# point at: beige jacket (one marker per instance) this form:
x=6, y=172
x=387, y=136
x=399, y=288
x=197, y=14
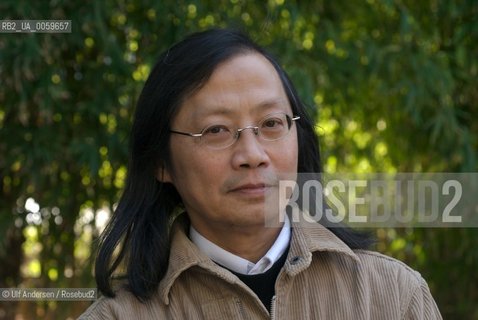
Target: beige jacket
x=322, y=279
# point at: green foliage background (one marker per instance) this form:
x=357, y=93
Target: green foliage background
x=392, y=84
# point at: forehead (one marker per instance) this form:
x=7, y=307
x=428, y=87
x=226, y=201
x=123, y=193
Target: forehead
x=244, y=83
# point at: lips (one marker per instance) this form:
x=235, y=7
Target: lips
x=251, y=189
x=250, y=186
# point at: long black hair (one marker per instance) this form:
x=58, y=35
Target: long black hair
x=137, y=237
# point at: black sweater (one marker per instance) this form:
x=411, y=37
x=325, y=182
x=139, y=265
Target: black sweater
x=263, y=284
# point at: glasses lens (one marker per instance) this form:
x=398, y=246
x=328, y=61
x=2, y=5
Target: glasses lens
x=274, y=126
x=217, y=136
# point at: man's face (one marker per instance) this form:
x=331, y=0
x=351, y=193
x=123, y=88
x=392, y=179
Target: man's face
x=225, y=190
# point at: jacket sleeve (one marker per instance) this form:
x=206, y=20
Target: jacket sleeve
x=422, y=305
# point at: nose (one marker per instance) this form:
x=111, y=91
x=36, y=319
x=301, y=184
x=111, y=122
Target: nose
x=248, y=151
x=254, y=129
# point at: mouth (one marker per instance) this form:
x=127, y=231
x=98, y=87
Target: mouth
x=251, y=189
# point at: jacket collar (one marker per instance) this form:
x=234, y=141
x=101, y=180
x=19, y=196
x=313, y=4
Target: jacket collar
x=307, y=238
x=185, y=255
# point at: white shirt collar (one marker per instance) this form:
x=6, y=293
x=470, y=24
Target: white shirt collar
x=238, y=264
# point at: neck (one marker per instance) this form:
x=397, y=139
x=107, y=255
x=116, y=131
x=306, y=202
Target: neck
x=251, y=244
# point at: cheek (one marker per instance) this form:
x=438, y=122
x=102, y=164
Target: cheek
x=293, y=159
x=199, y=184
x=192, y=169
x=290, y=153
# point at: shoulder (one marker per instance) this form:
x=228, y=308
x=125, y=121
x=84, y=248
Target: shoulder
x=384, y=272
x=393, y=278
x=124, y=306
x=386, y=265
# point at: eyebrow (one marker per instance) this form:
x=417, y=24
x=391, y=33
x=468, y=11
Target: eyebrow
x=224, y=110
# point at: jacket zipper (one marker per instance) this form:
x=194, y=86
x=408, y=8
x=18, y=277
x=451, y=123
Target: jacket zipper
x=273, y=308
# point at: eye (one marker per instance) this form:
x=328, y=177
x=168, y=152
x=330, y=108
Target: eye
x=216, y=130
x=272, y=123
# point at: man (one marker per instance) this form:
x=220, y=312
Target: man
x=217, y=126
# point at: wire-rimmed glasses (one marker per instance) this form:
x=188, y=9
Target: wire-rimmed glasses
x=273, y=127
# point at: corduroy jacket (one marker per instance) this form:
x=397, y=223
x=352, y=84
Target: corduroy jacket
x=322, y=278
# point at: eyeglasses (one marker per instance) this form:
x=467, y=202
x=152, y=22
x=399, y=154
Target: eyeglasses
x=271, y=128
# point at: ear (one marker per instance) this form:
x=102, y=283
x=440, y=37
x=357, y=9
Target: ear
x=163, y=175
